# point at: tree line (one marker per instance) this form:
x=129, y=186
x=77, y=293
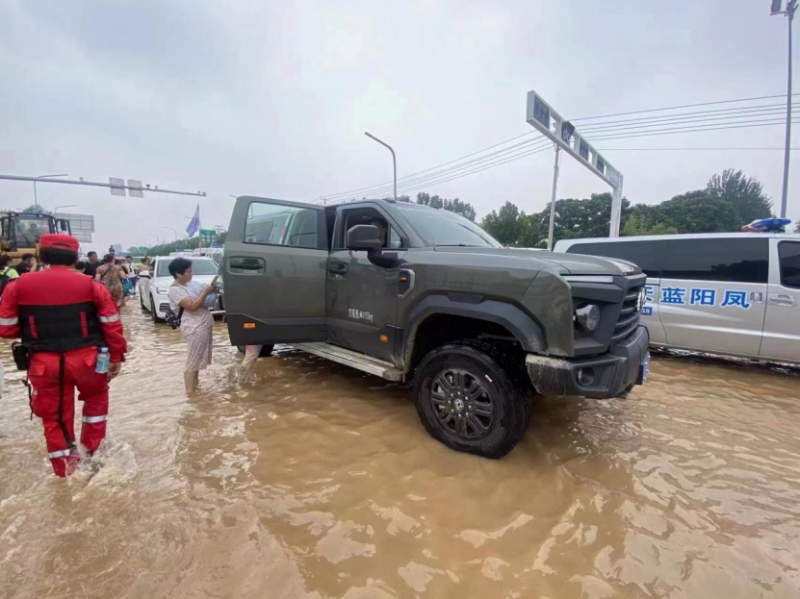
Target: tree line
x=729, y=201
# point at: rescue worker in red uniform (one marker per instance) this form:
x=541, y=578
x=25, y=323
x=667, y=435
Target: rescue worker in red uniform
x=64, y=319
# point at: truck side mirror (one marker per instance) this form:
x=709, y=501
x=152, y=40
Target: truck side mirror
x=363, y=237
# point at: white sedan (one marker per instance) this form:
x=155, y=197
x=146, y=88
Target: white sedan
x=153, y=289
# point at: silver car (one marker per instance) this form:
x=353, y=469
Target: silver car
x=735, y=294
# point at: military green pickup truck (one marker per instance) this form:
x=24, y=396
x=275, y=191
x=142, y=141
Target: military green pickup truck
x=410, y=293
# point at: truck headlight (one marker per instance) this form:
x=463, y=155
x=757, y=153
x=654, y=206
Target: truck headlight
x=588, y=316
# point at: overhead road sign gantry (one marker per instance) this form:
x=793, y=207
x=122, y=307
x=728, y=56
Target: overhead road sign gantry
x=552, y=125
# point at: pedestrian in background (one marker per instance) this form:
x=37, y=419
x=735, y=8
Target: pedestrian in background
x=7, y=273
x=196, y=320
x=110, y=275
x=91, y=265
x=80, y=266
x=133, y=274
x=26, y=264
x=63, y=321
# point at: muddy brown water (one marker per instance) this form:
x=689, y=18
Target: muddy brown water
x=316, y=480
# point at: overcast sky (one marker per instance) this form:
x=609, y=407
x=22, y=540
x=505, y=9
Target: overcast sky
x=272, y=98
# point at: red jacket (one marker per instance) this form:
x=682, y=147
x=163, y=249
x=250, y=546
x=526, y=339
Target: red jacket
x=84, y=302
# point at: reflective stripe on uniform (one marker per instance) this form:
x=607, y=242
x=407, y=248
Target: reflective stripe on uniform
x=9, y=321
x=59, y=454
x=113, y=318
x=94, y=419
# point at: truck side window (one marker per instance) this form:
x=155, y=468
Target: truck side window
x=790, y=264
x=274, y=224
x=369, y=216
x=721, y=259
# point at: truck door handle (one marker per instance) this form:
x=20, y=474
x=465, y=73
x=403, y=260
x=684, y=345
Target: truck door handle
x=239, y=264
x=338, y=268
x=781, y=299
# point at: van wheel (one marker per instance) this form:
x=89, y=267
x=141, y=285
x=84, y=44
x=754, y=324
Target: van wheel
x=470, y=396
x=141, y=303
x=266, y=350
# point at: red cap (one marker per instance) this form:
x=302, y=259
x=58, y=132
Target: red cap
x=59, y=241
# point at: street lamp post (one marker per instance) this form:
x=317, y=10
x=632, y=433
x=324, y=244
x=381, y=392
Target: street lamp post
x=67, y=206
x=791, y=6
x=394, y=160
x=35, y=196
x=158, y=240
x=174, y=232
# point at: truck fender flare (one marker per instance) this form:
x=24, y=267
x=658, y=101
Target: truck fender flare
x=523, y=326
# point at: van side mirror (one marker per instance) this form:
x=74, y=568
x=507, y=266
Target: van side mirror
x=363, y=237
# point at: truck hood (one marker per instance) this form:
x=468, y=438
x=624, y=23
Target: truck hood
x=567, y=264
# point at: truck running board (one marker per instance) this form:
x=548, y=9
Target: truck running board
x=353, y=359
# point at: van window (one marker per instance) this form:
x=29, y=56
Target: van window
x=644, y=254
x=723, y=259
x=790, y=264
x=274, y=224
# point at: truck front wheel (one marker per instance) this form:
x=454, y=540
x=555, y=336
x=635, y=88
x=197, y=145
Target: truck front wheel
x=470, y=397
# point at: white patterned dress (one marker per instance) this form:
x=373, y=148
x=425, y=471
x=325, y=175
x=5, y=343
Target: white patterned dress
x=196, y=326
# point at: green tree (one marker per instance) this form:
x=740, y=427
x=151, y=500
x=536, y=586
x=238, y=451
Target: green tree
x=744, y=194
x=532, y=230
x=699, y=212
x=503, y=224
x=455, y=205
x=584, y=218
x=644, y=220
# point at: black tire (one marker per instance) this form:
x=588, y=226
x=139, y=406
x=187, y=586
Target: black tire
x=154, y=311
x=266, y=350
x=141, y=303
x=495, y=398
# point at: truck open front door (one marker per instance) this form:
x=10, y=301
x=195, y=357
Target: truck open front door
x=274, y=272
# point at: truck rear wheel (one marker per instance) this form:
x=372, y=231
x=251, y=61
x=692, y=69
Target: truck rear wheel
x=470, y=397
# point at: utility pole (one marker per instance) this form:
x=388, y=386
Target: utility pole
x=35, y=179
x=174, y=232
x=791, y=6
x=553, y=200
x=394, y=160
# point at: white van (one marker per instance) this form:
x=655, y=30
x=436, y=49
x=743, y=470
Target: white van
x=735, y=294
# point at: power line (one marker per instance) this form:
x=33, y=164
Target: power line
x=604, y=116
x=432, y=174
x=684, y=149
x=679, y=119
x=512, y=158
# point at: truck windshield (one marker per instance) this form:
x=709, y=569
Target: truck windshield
x=441, y=227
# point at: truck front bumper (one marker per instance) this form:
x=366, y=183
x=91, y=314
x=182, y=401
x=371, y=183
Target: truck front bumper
x=604, y=376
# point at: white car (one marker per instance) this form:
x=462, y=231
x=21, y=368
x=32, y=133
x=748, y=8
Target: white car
x=153, y=290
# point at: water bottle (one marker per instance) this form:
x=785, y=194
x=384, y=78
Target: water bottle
x=103, y=360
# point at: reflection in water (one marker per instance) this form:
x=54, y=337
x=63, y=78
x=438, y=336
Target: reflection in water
x=316, y=480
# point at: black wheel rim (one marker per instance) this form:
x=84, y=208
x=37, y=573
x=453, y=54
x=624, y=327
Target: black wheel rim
x=463, y=406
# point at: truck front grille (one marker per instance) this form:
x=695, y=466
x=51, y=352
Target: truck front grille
x=629, y=315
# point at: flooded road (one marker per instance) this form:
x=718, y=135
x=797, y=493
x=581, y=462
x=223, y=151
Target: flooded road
x=316, y=480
